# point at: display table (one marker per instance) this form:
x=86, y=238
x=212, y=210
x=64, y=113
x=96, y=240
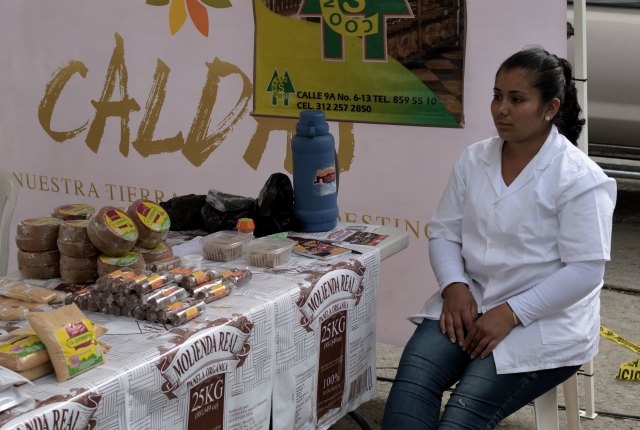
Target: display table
x=297, y=342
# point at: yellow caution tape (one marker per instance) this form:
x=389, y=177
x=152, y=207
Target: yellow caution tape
x=605, y=332
x=629, y=371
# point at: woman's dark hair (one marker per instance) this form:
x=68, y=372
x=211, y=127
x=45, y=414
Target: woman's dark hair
x=552, y=76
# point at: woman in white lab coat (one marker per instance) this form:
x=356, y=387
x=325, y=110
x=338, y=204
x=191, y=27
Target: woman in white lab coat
x=518, y=245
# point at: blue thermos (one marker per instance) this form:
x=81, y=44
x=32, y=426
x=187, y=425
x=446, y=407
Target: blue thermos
x=315, y=174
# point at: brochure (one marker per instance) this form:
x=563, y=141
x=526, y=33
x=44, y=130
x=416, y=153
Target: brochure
x=320, y=249
x=348, y=235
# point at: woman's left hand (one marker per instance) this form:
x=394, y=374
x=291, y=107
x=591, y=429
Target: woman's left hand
x=488, y=331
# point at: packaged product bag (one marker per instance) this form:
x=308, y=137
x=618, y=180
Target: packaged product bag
x=70, y=338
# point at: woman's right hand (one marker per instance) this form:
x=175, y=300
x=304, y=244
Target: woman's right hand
x=459, y=311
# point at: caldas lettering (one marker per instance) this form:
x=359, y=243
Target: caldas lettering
x=199, y=142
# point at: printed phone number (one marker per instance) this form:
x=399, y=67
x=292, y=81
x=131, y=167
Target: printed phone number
x=338, y=107
x=396, y=100
x=365, y=99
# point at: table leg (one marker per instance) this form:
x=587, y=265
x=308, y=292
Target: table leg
x=360, y=420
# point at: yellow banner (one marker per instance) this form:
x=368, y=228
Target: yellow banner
x=360, y=61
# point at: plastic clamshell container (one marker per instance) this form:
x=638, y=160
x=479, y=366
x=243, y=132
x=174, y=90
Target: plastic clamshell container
x=225, y=245
x=269, y=252
x=192, y=260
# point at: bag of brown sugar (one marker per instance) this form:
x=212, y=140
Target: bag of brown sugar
x=13, y=313
x=22, y=351
x=37, y=372
x=70, y=339
x=28, y=292
x=15, y=303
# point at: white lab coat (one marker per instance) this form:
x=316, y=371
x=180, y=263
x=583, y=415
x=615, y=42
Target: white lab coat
x=558, y=210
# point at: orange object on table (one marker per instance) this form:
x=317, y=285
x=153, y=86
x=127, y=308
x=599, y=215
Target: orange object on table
x=245, y=225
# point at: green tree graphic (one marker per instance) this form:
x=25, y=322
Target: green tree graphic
x=280, y=87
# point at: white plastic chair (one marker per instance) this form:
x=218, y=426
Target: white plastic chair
x=546, y=406
x=8, y=198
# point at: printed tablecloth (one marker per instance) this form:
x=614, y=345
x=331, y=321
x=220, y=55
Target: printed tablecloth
x=299, y=339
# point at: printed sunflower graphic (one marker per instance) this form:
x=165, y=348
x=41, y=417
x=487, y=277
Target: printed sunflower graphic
x=196, y=9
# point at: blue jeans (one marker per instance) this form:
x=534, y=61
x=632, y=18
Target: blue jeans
x=431, y=364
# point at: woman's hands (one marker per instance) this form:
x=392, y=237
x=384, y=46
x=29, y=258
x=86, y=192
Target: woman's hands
x=460, y=315
x=488, y=331
x=459, y=311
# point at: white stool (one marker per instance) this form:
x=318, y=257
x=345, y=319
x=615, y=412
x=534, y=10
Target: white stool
x=546, y=406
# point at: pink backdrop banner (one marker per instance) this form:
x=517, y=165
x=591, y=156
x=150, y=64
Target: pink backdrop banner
x=106, y=102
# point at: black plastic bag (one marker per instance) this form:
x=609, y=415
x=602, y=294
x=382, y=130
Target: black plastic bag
x=221, y=211
x=185, y=212
x=274, y=206
x=272, y=211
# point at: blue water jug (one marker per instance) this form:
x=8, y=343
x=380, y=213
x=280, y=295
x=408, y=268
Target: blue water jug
x=315, y=180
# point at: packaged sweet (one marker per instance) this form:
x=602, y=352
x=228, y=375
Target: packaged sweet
x=38, y=371
x=28, y=292
x=40, y=272
x=111, y=308
x=118, y=298
x=152, y=221
x=112, y=231
x=73, y=239
x=16, y=303
x=38, y=234
x=120, y=280
x=20, y=352
x=127, y=308
x=185, y=312
x=78, y=270
x=70, y=339
x=158, y=253
x=269, y=252
x=224, y=245
x=73, y=211
x=105, y=281
x=81, y=297
x=39, y=265
x=139, y=312
x=44, y=258
x=23, y=352
x=198, y=277
x=210, y=291
x=94, y=303
x=239, y=276
x=164, y=264
x=151, y=283
x=129, y=260
x=151, y=315
x=179, y=273
x=80, y=276
x=164, y=296
x=78, y=263
x=13, y=313
x=162, y=314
